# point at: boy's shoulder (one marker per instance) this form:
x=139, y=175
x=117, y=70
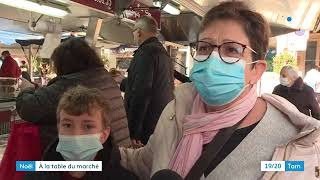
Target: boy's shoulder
x=116, y=171
x=42, y=175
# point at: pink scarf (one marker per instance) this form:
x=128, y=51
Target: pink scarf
x=200, y=128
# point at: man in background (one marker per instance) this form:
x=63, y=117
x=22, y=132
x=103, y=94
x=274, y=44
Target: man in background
x=149, y=87
x=10, y=67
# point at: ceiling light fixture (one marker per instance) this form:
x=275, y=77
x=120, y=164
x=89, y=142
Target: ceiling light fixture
x=42, y=7
x=171, y=9
x=157, y=3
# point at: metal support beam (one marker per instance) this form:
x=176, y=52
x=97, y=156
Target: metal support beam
x=303, y=18
x=193, y=6
x=30, y=62
x=93, y=31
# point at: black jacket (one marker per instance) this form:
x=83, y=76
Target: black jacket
x=302, y=96
x=39, y=106
x=149, y=88
x=111, y=168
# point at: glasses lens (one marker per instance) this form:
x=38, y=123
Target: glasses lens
x=200, y=51
x=231, y=52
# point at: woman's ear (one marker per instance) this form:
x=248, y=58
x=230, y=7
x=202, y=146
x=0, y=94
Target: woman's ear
x=257, y=71
x=140, y=33
x=104, y=135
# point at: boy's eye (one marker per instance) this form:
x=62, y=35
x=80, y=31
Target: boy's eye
x=89, y=126
x=66, y=125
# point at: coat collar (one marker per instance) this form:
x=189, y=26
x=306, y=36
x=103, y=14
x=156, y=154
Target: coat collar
x=298, y=84
x=149, y=40
x=77, y=74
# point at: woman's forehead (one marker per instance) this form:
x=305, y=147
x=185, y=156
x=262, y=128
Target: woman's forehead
x=221, y=31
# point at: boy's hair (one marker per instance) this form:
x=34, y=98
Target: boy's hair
x=79, y=100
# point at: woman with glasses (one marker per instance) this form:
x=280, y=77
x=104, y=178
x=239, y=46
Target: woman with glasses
x=217, y=126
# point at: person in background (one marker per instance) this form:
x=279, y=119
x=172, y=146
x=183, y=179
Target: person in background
x=228, y=63
x=27, y=82
x=75, y=63
x=311, y=78
x=10, y=67
x=117, y=75
x=84, y=117
x=26, y=78
x=293, y=89
x=123, y=84
x=24, y=66
x=150, y=85
x=1, y=61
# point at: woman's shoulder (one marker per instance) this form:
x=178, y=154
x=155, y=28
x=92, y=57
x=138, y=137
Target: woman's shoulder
x=96, y=72
x=184, y=95
x=277, y=123
x=45, y=175
x=277, y=89
x=94, y=78
x=280, y=109
x=172, y=116
x=308, y=89
x=185, y=91
x=55, y=83
x=120, y=173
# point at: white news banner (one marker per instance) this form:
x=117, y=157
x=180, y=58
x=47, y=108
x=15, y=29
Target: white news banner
x=59, y=166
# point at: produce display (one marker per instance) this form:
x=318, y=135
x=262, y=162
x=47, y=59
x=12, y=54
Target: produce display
x=8, y=87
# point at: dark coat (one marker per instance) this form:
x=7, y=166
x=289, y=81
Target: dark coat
x=149, y=88
x=302, y=96
x=39, y=106
x=111, y=170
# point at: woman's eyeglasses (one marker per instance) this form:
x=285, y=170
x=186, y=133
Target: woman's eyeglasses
x=229, y=52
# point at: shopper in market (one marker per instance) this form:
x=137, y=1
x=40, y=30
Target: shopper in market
x=117, y=75
x=10, y=67
x=150, y=83
x=293, y=89
x=75, y=63
x=84, y=117
x=218, y=119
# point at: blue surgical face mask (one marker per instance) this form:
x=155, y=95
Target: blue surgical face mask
x=217, y=82
x=79, y=147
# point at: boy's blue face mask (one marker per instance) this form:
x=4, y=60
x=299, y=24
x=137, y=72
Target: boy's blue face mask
x=217, y=82
x=79, y=147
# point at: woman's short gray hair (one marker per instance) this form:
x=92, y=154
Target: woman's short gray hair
x=292, y=72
